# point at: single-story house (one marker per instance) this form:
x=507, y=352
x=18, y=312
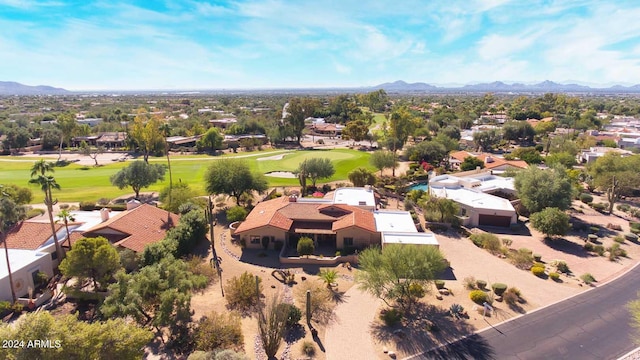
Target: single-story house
x=112, y=139
x=25, y=265
x=474, y=195
x=182, y=141
x=36, y=236
x=591, y=155
x=135, y=228
x=491, y=161
x=223, y=123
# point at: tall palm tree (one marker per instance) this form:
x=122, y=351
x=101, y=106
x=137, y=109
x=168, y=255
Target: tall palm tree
x=166, y=131
x=47, y=184
x=65, y=216
x=10, y=215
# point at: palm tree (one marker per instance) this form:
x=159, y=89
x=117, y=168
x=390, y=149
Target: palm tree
x=10, y=215
x=329, y=277
x=65, y=216
x=166, y=131
x=47, y=183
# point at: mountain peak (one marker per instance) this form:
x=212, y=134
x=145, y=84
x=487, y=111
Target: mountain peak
x=15, y=88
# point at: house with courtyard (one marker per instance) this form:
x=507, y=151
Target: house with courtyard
x=347, y=218
x=477, y=196
x=491, y=161
x=593, y=153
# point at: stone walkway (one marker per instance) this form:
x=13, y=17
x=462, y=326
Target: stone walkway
x=348, y=336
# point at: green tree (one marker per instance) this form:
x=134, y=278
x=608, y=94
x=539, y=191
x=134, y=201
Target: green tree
x=211, y=140
x=551, y=222
x=67, y=125
x=20, y=195
x=471, y=163
x=92, y=258
x=173, y=197
x=241, y=291
x=616, y=175
x=528, y=154
x=218, y=331
x=91, y=152
x=390, y=273
x=561, y=158
x=317, y=168
x=518, y=131
x=145, y=132
x=361, y=177
x=356, y=130
x=486, y=140
x=382, y=159
x=10, y=214
x=138, y=175
x=539, y=189
x=236, y=213
x=298, y=110
x=111, y=339
x=305, y=246
x=328, y=276
x=232, y=177
x=427, y=151
x=47, y=184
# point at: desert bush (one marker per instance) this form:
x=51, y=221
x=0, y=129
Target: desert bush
x=623, y=207
x=510, y=298
x=199, y=266
x=615, y=252
x=537, y=257
x=594, y=229
x=236, y=213
x=599, y=249
x=416, y=290
x=487, y=241
x=537, y=271
x=499, y=288
x=587, y=278
x=469, y=283
x=588, y=246
x=481, y=284
x=308, y=348
x=87, y=206
x=554, y=276
x=129, y=260
x=598, y=206
x=390, y=317
x=478, y=296
x=456, y=310
x=507, y=242
x=561, y=266
x=619, y=239
x=219, y=331
x=586, y=198
x=321, y=304
x=522, y=259
x=439, y=284
x=240, y=292
x=31, y=213
x=294, y=314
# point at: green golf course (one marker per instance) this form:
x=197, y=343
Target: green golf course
x=88, y=183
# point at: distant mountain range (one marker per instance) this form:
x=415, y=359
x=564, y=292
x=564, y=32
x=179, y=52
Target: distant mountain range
x=498, y=86
x=14, y=88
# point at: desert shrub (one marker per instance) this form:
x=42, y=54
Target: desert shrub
x=586, y=198
x=129, y=260
x=522, y=259
x=631, y=237
x=417, y=290
x=510, y=298
x=219, y=331
x=623, y=207
x=615, y=252
x=599, y=249
x=308, y=348
x=592, y=237
x=499, y=288
x=554, y=276
x=439, y=284
x=619, y=239
x=487, y=241
x=31, y=213
x=456, y=310
x=87, y=206
x=236, y=213
x=587, y=278
x=594, y=229
x=537, y=271
x=598, y=206
x=537, y=257
x=507, y=242
x=240, y=292
x=561, y=266
x=294, y=314
x=5, y=308
x=481, y=284
x=469, y=283
x=390, y=317
x=305, y=246
x=321, y=303
x=588, y=246
x=198, y=266
x=478, y=296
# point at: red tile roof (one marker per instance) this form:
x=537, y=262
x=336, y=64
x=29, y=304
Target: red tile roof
x=144, y=225
x=30, y=235
x=494, y=160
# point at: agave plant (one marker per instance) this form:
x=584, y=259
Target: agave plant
x=456, y=310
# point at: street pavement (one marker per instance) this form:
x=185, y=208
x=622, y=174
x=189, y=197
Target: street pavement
x=592, y=325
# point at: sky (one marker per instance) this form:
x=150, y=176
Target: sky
x=170, y=44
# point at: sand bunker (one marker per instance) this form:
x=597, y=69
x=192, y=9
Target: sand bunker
x=274, y=157
x=281, y=174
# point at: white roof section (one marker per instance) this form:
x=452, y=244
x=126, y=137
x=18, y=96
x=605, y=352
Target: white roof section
x=355, y=196
x=19, y=259
x=493, y=182
x=475, y=199
x=394, y=221
x=409, y=238
x=89, y=219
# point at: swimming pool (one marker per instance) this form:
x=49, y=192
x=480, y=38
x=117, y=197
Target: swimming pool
x=423, y=187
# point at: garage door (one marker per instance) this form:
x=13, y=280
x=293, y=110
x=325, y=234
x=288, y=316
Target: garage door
x=494, y=220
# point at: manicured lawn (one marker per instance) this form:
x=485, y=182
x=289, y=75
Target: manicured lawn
x=81, y=183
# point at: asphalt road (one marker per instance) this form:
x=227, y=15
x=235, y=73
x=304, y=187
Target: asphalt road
x=592, y=325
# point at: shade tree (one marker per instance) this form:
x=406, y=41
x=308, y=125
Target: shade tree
x=138, y=175
x=233, y=177
x=539, y=189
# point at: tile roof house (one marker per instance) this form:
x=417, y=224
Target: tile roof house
x=491, y=162
x=31, y=235
x=136, y=228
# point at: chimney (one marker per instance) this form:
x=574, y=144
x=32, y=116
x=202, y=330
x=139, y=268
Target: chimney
x=133, y=204
x=368, y=188
x=488, y=160
x=293, y=198
x=104, y=214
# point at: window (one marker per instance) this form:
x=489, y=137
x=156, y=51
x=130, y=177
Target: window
x=348, y=241
x=54, y=255
x=255, y=239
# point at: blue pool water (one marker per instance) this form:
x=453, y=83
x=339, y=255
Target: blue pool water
x=422, y=187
